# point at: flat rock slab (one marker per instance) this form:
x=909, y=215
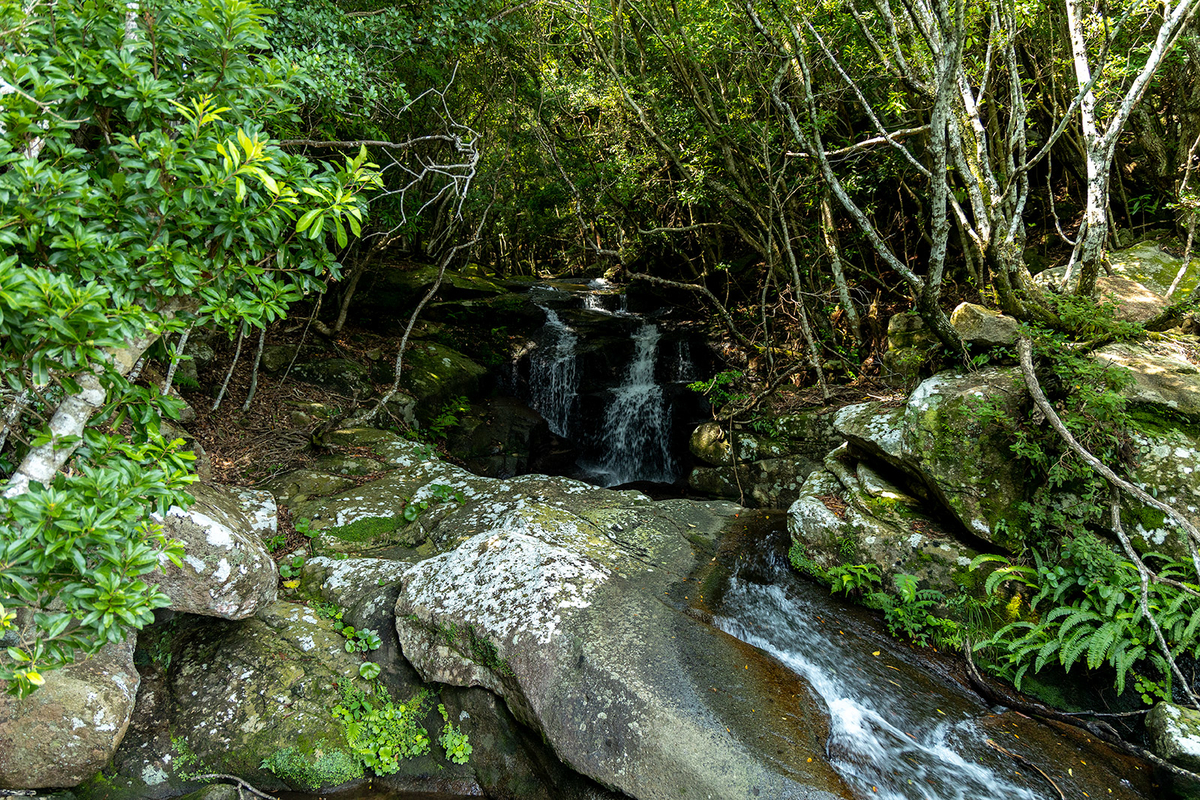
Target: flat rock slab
x=1166, y=377
x=569, y=605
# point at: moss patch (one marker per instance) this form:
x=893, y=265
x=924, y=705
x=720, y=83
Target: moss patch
x=314, y=770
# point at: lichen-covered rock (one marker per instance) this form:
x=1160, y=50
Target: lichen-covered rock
x=983, y=326
x=67, y=730
x=1167, y=465
x=356, y=466
x=1165, y=379
x=254, y=699
x=938, y=438
x=1175, y=734
x=771, y=483
x=848, y=514
x=714, y=445
x=555, y=601
x=226, y=572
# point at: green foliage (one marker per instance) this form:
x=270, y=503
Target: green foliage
x=139, y=194
x=1089, y=611
x=453, y=740
x=369, y=670
x=913, y=612
x=362, y=640
x=313, y=770
x=722, y=389
x=292, y=568
x=381, y=732
x=853, y=580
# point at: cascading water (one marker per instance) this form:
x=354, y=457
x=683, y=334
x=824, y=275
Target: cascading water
x=889, y=744
x=637, y=426
x=554, y=383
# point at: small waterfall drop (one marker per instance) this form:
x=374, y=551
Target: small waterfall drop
x=554, y=384
x=636, y=437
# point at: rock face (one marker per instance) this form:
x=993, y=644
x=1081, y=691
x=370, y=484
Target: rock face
x=554, y=600
x=77, y=718
x=1165, y=380
x=226, y=571
x=937, y=438
x=847, y=513
x=982, y=326
x=1175, y=734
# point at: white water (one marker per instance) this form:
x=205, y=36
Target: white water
x=893, y=744
x=637, y=425
x=555, y=390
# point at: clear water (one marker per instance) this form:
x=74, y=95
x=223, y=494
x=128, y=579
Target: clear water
x=890, y=737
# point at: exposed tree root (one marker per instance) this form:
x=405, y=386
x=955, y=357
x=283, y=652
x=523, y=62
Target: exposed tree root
x=241, y=785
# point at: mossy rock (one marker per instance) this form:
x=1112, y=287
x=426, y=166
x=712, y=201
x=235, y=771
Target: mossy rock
x=299, y=485
x=341, y=375
x=435, y=375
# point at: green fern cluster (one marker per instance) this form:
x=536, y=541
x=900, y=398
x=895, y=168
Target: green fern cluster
x=1095, y=617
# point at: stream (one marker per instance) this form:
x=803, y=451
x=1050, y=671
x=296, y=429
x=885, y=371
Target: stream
x=896, y=731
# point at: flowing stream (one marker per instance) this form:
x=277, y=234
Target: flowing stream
x=892, y=735
x=554, y=392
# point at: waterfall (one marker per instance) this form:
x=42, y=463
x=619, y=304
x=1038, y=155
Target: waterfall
x=685, y=367
x=636, y=438
x=553, y=382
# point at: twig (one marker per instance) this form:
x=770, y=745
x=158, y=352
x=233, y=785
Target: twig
x=262, y=339
x=704, y=290
x=236, y=781
x=1027, y=763
x=237, y=353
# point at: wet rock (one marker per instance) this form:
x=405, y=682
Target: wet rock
x=67, y=730
x=226, y=570
x=983, y=326
x=771, y=483
x=1175, y=734
x=555, y=601
x=500, y=438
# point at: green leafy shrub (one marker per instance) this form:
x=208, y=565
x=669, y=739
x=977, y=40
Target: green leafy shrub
x=381, y=732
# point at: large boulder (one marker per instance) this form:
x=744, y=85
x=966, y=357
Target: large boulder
x=983, y=326
x=938, y=437
x=1165, y=376
x=67, y=730
x=227, y=572
x=346, y=377
x=566, y=601
x=1144, y=263
x=436, y=375
x=1165, y=465
x=848, y=513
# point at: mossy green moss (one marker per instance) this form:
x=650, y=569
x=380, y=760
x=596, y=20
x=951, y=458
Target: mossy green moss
x=365, y=529
x=315, y=770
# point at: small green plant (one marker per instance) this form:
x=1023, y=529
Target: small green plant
x=360, y=641
x=327, y=610
x=453, y=740
x=380, y=731
x=292, y=568
x=275, y=543
x=447, y=417
x=369, y=670
x=439, y=493
x=853, y=580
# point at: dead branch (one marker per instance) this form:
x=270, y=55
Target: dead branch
x=704, y=290
x=236, y=781
x=1023, y=760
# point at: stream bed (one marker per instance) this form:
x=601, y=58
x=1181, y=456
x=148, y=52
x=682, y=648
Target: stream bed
x=897, y=730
